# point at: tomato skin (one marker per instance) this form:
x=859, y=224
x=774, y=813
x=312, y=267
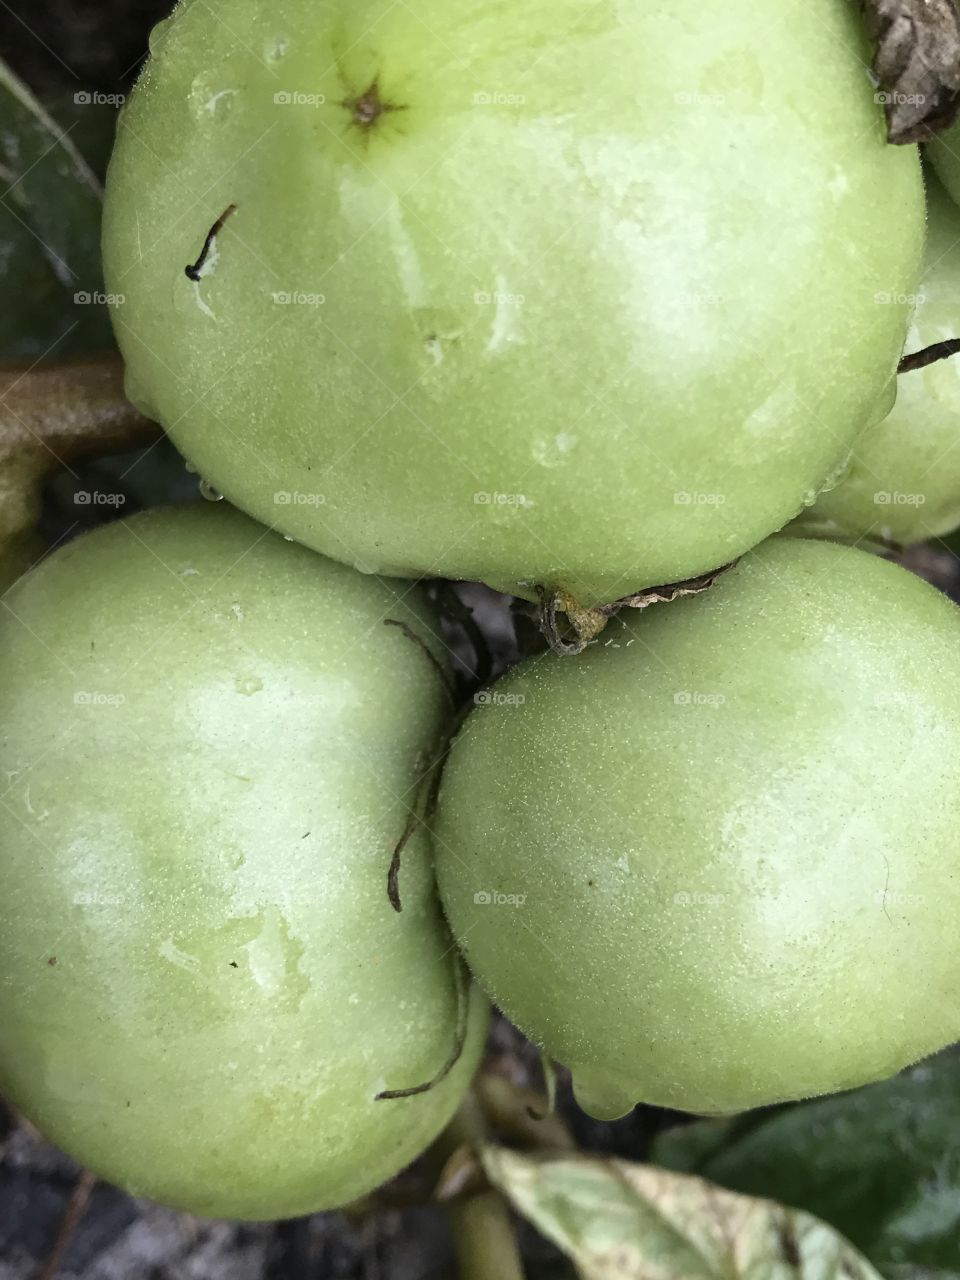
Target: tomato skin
x=903, y=479
x=210, y=739
x=711, y=864
x=447, y=374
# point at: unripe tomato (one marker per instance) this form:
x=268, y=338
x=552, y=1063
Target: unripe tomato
x=903, y=482
x=712, y=863
x=209, y=741
x=583, y=298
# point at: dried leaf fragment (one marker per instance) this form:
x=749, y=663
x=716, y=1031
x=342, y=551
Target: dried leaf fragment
x=623, y=1221
x=916, y=64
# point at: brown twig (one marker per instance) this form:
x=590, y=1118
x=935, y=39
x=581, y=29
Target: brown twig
x=76, y=1207
x=929, y=355
x=56, y=413
x=462, y=984
x=438, y=667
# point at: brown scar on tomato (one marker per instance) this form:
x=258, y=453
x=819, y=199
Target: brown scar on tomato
x=192, y=272
x=366, y=108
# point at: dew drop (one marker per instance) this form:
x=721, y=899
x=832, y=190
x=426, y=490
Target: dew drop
x=363, y=566
x=838, y=474
x=209, y=493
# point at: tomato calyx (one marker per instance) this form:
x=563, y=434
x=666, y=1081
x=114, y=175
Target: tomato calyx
x=568, y=627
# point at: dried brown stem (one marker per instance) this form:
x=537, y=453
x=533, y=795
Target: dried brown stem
x=56, y=413
x=76, y=1207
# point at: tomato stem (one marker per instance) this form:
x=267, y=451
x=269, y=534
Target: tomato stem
x=481, y=1224
x=54, y=413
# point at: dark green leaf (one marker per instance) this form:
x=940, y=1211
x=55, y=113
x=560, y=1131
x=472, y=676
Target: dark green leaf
x=882, y=1164
x=50, y=211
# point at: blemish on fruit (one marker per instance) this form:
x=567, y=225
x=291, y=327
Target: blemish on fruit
x=366, y=108
x=52, y=961
x=193, y=271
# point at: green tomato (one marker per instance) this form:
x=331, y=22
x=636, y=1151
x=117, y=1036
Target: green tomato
x=209, y=741
x=538, y=294
x=712, y=863
x=903, y=481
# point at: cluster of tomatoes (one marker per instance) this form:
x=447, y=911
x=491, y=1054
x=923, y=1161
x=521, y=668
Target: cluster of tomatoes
x=574, y=304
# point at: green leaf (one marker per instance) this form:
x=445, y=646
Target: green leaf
x=50, y=212
x=621, y=1221
x=881, y=1164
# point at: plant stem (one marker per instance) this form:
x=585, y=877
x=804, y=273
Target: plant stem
x=70, y=408
x=53, y=414
x=481, y=1224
